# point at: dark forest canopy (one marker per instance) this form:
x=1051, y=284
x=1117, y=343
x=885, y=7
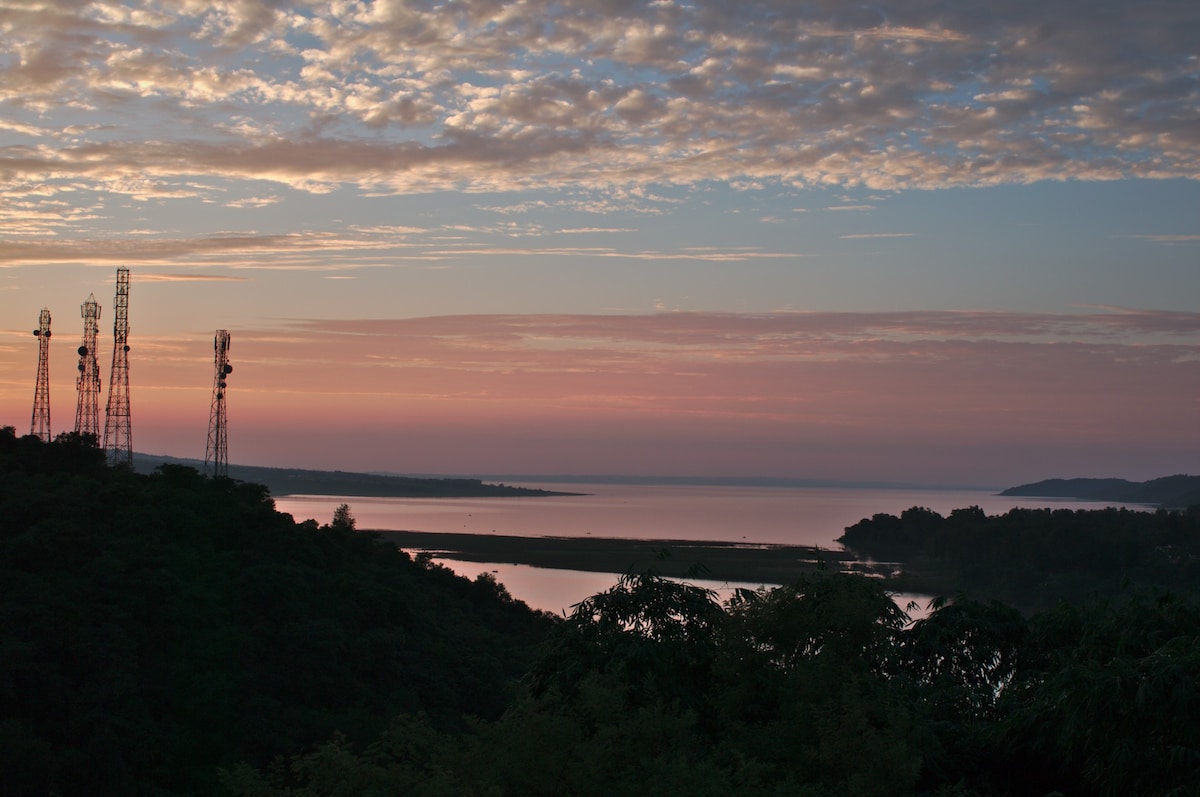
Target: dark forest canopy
x=167, y=634
x=1172, y=492
x=157, y=627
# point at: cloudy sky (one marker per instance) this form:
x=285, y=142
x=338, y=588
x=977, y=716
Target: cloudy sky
x=932, y=242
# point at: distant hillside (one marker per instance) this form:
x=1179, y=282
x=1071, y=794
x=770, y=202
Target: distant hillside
x=294, y=481
x=1168, y=491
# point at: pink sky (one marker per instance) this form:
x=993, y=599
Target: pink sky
x=987, y=399
x=889, y=241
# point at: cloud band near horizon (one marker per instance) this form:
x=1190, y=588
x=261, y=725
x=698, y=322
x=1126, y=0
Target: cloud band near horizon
x=984, y=397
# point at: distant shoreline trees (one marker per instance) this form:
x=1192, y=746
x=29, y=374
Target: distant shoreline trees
x=1033, y=557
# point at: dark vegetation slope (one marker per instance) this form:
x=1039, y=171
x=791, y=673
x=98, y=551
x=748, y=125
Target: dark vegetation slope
x=158, y=627
x=168, y=634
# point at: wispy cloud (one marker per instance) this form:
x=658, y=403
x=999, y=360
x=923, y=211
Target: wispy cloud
x=1167, y=239
x=254, y=201
x=306, y=250
x=146, y=277
x=773, y=333
x=710, y=255
x=586, y=230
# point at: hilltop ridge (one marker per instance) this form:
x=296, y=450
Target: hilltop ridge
x=298, y=481
x=1176, y=491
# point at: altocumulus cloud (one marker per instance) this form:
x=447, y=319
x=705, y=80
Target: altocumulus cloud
x=107, y=99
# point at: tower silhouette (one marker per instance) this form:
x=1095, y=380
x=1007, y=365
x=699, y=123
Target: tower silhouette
x=40, y=426
x=118, y=438
x=216, y=451
x=87, y=410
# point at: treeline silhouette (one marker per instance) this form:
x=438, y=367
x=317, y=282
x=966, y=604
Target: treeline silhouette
x=168, y=634
x=1033, y=558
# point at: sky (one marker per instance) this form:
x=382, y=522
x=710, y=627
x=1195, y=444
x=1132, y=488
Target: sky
x=912, y=241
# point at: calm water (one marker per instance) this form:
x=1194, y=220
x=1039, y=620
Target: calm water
x=789, y=515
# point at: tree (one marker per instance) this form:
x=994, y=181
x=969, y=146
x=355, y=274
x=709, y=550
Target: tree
x=1107, y=700
x=342, y=519
x=656, y=637
x=805, y=676
x=963, y=655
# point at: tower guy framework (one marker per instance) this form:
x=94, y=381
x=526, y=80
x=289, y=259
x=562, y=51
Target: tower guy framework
x=118, y=442
x=216, y=451
x=40, y=426
x=87, y=411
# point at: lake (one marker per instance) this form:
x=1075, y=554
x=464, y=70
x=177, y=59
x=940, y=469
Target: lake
x=783, y=515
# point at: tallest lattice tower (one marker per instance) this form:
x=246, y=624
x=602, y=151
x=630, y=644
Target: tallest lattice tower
x=87, y=411
x=40, y=426
x=118, y=439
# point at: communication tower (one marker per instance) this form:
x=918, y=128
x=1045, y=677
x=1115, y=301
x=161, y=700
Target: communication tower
x=87, y=411
x=216, y=451
x=41, y=394
x=118, y=442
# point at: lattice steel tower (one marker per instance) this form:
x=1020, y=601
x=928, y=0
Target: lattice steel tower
x=118, y=439
x=40, y=425
x=87, y=411
x=216, y=451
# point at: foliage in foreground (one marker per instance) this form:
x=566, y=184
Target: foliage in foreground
x=817, y=688
x=171, y=634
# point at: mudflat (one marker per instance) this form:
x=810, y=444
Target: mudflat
x=729, y=561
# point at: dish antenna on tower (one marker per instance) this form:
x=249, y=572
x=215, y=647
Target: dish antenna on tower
x=216, y=451
x=87, y=411
x=40, y=426
x=118, y=439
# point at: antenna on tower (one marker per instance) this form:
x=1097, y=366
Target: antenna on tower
x=40, y=426
x=87, y=411
x=118, y=442
x=216, y=450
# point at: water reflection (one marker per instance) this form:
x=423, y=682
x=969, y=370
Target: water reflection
x=557, y=591
x=782, y=515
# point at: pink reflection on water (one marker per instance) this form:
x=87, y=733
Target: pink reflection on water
x=781, y=515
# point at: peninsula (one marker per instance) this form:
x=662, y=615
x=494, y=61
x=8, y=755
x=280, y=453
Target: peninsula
x=296, y=481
